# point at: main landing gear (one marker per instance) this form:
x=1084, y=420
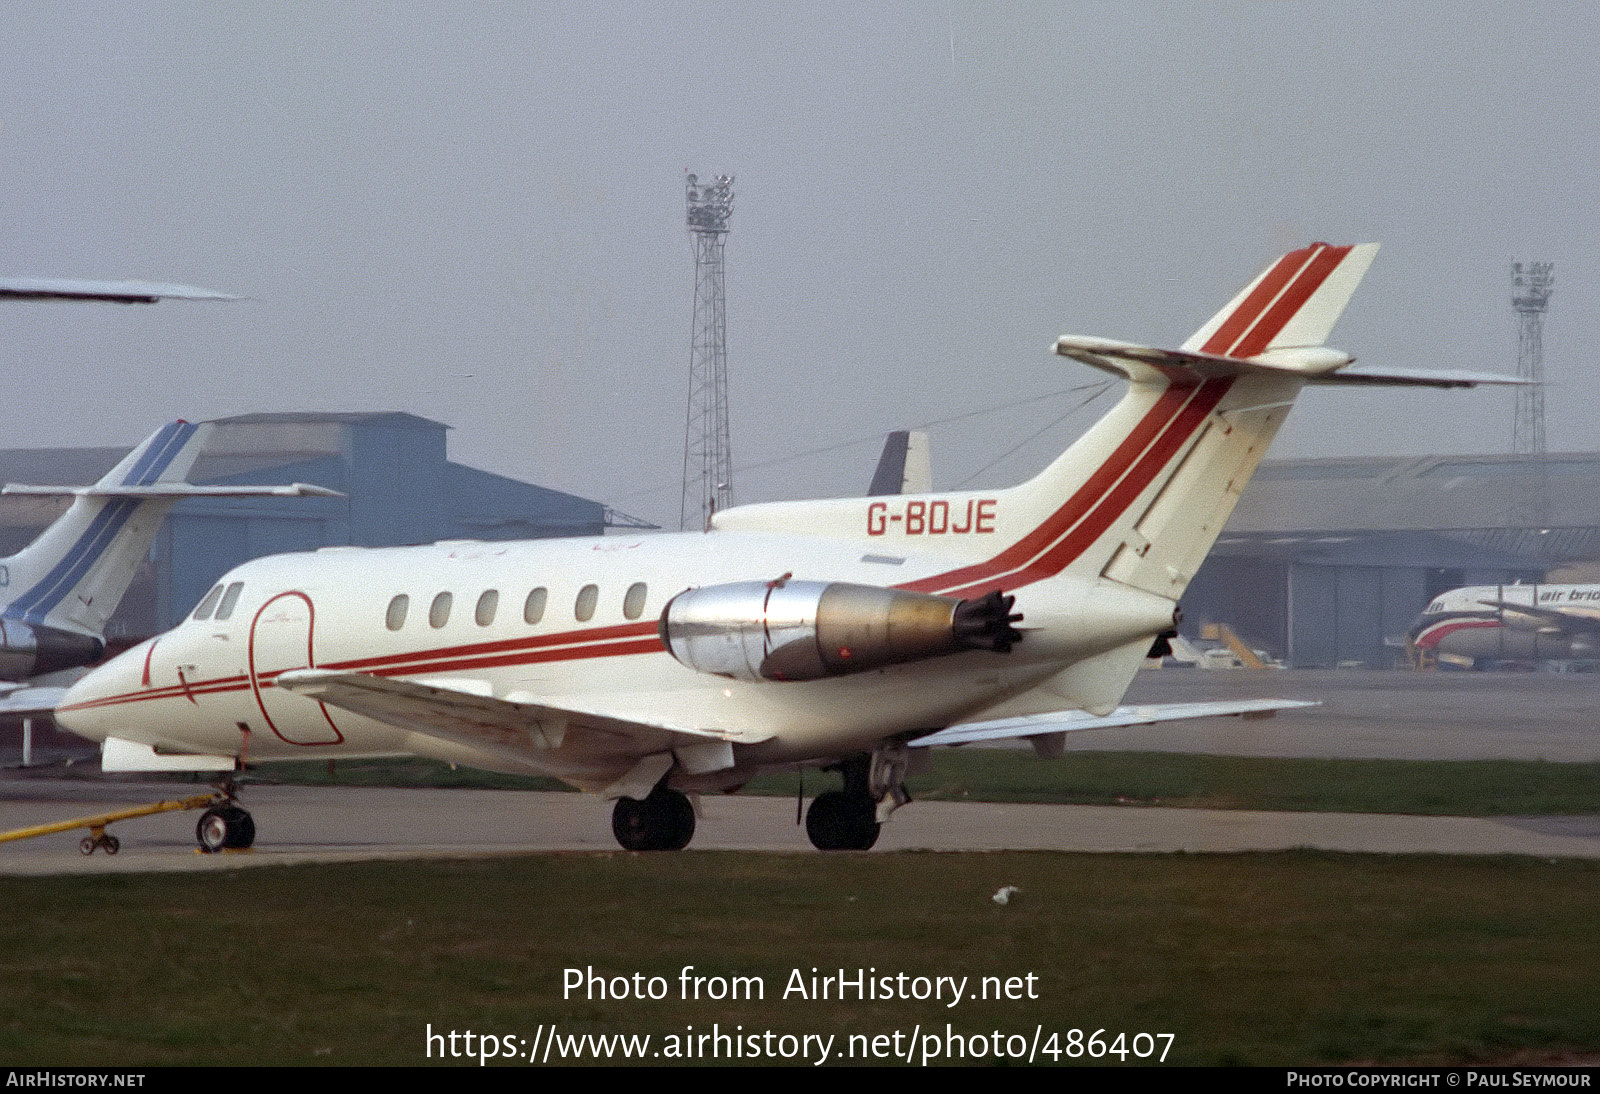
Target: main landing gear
x=850, y=819
x=662, y=822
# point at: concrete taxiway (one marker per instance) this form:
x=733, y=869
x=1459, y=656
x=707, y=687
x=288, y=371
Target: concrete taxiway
x=315, y=824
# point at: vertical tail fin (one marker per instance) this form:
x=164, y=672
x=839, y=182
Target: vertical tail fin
x=1293, y=303
x=1140, y=497
x=905, y=466
x=76, y=572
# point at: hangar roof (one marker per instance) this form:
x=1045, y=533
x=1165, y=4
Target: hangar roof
x=1515, y=507
x=1428, y=493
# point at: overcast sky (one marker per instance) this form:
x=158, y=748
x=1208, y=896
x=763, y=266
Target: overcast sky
x=474, y=212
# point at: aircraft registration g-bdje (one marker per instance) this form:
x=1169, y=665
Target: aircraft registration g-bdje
x=846, y=634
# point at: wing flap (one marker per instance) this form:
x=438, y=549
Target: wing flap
x=1071, y=721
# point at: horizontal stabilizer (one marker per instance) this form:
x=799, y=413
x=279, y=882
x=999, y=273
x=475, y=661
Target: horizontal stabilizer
x=1420, y=377
x=115, y=292
x=1071, y=721
x=1310, y=364
x=174, y=490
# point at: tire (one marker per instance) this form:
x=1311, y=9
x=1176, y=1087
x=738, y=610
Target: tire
x=225, y=828
x=211, y=831
x=838, y=821
x=241, y=829
x=630, y=823
x=662, y=822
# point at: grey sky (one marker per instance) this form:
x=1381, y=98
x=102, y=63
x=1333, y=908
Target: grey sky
x=474, y=212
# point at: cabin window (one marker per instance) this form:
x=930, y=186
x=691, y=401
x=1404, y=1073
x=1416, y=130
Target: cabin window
x=229, y=599
x=439, y=612
x=210, y=602
x=396, y=616
x=584, y=608
x=633, y=603
x=533, y=607
x=488, y=603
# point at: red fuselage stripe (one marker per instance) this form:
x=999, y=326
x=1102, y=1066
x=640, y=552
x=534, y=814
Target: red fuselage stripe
x=1156, y=419
x=222, y=685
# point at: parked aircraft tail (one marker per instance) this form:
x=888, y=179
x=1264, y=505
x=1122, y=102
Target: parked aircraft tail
x=1141, y=496
x=73, y=576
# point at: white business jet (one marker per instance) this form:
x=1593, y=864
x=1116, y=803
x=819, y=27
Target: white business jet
x=844, y=634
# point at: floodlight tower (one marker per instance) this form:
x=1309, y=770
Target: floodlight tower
x=707, y=459
x=1531, y=285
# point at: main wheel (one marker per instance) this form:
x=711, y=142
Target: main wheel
x=838, y=821
x=662, y=822
x=225, y=827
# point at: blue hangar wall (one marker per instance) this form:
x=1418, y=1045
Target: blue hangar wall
x=399, y=489
x=399, y=486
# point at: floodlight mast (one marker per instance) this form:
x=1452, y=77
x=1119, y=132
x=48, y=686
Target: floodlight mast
x=707, y=458
x=1531, y=286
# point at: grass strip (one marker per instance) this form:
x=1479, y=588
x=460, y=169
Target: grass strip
x=1291, y=958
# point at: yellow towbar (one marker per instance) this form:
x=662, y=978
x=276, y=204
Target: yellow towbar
x=96, y=825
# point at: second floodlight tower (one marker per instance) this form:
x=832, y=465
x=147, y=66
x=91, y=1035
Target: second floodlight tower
x=707, y=460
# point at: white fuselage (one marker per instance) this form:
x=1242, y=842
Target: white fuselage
x=208, y=685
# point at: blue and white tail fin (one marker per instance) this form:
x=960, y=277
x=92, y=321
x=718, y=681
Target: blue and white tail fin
x=75, y=574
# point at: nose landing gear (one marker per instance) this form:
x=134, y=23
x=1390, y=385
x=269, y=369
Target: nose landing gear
x=225, y=827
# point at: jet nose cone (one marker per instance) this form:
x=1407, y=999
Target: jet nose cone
x=91, y=707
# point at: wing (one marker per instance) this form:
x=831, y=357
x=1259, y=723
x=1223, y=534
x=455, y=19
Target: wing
x=21, y=700
x=117, y=292
x=1537, y=616
x=465, y=712
x=1070, y=721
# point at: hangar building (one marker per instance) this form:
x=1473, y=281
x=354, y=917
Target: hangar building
x=1327, y=562
x=399, y=488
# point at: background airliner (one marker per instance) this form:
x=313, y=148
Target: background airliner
x=848, y=634
x=1478, y=623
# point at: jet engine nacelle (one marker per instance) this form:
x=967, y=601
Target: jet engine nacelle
x=807, y=630
x=28, y=650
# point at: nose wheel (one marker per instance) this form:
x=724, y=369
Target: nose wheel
x=225, y=828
